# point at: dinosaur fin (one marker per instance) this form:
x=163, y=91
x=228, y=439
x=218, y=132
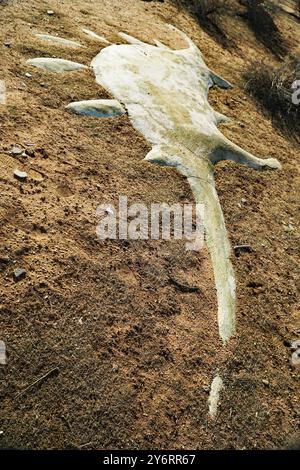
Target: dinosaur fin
x=95, y=36
x=227, y=150
x=188, y=40
x=131, y=39
x=219, y=81
x=160, y=44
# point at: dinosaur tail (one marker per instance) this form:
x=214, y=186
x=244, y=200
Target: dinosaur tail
x=199, y=172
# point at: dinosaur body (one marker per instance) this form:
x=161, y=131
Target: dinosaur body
x=165, y=93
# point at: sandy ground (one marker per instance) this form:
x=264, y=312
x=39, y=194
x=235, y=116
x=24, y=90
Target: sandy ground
x=132, y=354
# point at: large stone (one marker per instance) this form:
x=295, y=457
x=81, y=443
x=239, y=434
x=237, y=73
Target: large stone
x=20, y=175
x=19, y=274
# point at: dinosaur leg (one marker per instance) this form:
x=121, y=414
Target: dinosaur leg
x=227, y=150
x=97, y=108
x=221, y=118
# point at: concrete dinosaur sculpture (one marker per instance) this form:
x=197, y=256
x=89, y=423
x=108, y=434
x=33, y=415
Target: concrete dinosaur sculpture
x=165, y=93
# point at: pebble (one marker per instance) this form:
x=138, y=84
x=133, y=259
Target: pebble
x=19, y=274
x=28, y=75
x=50, y=12
x=20, y=175
x=238, y=249
x=266, y=382
x=288, y=228
x=15, y=151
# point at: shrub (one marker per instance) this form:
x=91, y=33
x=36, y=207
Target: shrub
x=209, y=15
x=262, y=24
x=272, y=89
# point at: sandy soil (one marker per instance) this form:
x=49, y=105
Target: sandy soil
x=133, y=354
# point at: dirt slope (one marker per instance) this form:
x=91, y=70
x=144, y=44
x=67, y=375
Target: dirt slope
x=135, y=354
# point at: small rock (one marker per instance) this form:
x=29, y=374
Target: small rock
x=238, y=249
x=19, y=274
x=115, y=368
x=266, y=382
x=242, y=125
x=243, y=200
x=28, y=75
x=50, y=12
x=288, y=228
x=15, y=151
x=7, y=44
x=20, y=175
x=4, y=259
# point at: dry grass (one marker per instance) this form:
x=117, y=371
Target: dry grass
x=209, y=14
x=272, y=89
x=259, y=19
x=258, y=14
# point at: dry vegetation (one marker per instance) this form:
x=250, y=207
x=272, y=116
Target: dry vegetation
x=269, y=85
x=258, y=14
x=259, y=18
x=209, y=14
x=272, y=88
